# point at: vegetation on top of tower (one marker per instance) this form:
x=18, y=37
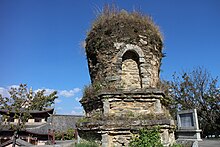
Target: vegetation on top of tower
x=111, y=32
x=114, y=25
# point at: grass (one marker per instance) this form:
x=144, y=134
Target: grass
x=87, y=144
x=118, y=26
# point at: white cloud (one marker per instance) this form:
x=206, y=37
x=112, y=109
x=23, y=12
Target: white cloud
x=70, y=93
x=78, y=99
x=78, y=108
x=13, y=86
x=59, y=108
x=64, y=93
x=47, y=90
x=4, y=92
x=73, y=112
x=58, y=101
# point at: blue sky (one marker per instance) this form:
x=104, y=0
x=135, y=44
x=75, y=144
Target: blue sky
x=40, y=41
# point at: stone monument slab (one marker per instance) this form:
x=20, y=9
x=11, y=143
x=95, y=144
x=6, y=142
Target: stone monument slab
x=188, y=126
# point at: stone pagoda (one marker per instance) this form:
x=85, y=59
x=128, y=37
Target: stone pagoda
x=124, y=52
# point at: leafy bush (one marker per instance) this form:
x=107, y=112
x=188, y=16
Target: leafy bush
x=176, y=145
x=87, y=144
x=147, y=138
x=91, y=91
x=68, y=135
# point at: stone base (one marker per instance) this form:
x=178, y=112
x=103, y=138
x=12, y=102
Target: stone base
x=118, y=133
x=188, y=143
x=193, y=135
x=113, y=118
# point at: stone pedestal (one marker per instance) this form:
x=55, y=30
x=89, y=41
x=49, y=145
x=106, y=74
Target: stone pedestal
x=188, y=126
x=122, y=114
x=189, y=135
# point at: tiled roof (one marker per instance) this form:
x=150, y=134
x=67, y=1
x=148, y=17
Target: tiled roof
x=42, y=129
x=64, y=122
x=19, y=142
x=49, y=110
x=55, y=122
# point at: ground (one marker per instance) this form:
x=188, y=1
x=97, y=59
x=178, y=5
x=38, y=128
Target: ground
x=209, y=143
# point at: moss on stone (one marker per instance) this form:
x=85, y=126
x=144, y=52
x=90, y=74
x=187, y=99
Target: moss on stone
x=114, y=26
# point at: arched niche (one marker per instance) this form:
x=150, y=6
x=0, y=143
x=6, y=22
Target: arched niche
x=130, y=74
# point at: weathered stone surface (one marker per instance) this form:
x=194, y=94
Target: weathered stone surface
x=127, y=64
x=105, y=140
x=130, y=74
x=125, y=112
x=119, y=133
x=115, y=68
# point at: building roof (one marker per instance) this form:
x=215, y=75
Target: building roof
x=34, y=113
x=56, y=122
x=19, y=142
x=64, y=122
x=39, y=130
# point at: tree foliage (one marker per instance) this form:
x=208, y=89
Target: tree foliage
x=197, y=89
x=85, y=143
x=67, y=135
x=21, y=101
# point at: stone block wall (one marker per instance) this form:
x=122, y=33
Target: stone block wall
x=124, y=53
x=130, y=77
x=132, y=67
x=133, y=103
x=122, y=114
x=119, y=134
x=129, y=73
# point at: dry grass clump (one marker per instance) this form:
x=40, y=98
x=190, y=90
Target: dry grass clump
x=113, y=25
x=90, y=92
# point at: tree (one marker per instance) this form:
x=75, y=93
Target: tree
x=67, y=135
x=198, y=89
x=20, y=102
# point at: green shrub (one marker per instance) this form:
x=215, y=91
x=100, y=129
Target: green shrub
x=87, y=144
x=68, y=135
x=91, y=91
x=147, y=138
x=176, y=145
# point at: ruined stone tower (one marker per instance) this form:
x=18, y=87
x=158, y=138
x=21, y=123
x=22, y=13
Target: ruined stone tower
x=124, y=52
